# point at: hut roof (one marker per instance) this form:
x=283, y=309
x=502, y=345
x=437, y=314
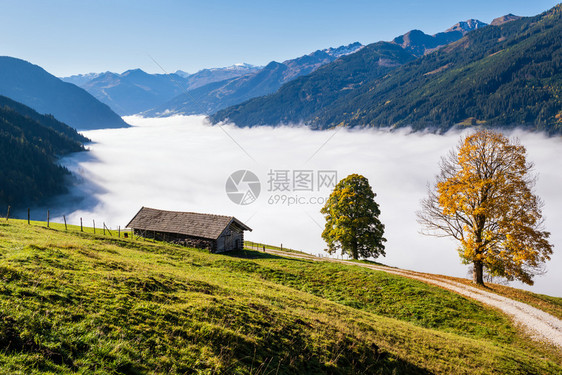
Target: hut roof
x=187, y=223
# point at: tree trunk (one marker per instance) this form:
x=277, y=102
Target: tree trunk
x=354, y=253
x=478, y=272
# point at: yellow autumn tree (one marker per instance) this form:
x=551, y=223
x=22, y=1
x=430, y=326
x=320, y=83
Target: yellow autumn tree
x=484, y=198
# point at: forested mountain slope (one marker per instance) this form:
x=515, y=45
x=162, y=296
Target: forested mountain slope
x=30, y=144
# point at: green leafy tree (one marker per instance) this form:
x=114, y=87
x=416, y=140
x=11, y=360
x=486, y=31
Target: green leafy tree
x=352, y=219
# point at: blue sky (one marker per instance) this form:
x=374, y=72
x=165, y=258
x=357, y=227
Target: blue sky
x=68, y=37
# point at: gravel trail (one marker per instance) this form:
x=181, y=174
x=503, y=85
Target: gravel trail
x=539, y=324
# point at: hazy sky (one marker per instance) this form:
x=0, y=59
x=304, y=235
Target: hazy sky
x=182, y=163
x=69, y=36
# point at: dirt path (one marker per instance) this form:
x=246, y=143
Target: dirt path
x=540, y=325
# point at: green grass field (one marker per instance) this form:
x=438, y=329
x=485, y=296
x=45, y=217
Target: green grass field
x=73, y=302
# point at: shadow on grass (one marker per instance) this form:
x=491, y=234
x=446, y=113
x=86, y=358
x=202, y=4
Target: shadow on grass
x=253, y=254
x=371, y=262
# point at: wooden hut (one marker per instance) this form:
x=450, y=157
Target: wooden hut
x=214, y=232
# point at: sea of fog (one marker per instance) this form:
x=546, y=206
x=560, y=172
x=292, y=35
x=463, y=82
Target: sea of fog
x=183, y=163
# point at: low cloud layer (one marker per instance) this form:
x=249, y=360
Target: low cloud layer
x=183, y=163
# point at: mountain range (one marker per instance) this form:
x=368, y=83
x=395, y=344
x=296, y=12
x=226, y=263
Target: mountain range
x=206, y=76
x=210, y=98
x=307, y=96
x=203, y=92
x=136, y=91
x=505, y=74
x=419, y=43
x=31, y=85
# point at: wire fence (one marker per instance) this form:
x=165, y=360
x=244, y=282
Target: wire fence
x=258, y=246
x=85, y=226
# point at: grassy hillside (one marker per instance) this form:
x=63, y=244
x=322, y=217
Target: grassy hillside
x=74, y=302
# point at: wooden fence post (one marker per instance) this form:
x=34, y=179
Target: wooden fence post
x=28, y=216
x=48, y=218
x=81, y=227
x=119, y=231
x=8, y=214
x=108, y=230
x=65, y=227
x=94, y=226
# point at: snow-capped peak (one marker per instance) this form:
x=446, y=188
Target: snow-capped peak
x=468, y=25
x=343, y=50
